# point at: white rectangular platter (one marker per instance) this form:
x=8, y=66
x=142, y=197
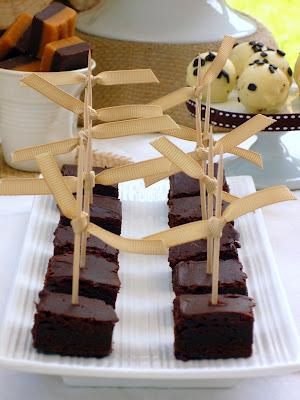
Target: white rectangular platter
x=143, y=339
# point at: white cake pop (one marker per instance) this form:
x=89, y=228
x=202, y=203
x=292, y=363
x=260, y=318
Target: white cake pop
x=274, y=57
x=222, y=86
x=297, y=72
x=262, y=88
x=242, y=52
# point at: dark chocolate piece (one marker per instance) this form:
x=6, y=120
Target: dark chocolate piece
x=98, y=279
x=181, y=185
x=105, y=212
x=54, y=22
x=210, y=57
x=256, y=48
x=191, y=277
x=64, y=243
x=280, y=53
x=225, y=74
x=196, y=62
x=289, y=71
x=197, y=250
x=83, y=330
x=206, y=331
x=65, y=55
x=21, y=63
x=109, y=190
x=259, y=62
x=252, y=87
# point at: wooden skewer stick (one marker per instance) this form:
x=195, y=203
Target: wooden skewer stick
x=207, y=111
x=90, y=123
x=199, y=141
x=216, y=254
x=210, y=200
x=88, y=192
x=77, y=239
x=198, y=102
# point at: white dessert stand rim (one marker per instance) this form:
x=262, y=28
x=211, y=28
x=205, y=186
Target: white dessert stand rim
x=170, y=21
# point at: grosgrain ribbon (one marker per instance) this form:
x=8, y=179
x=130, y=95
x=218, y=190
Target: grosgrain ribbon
x=133, y=127
x=32, y=186
x=131, y=111
x=185, y=162
x=228, y=143
x=142, y=169
x=105, y=78
x=67, y=205
x=125, y=77
x=55, y=148
x=214, y=226
x=160, y=168
x=80, y=224
x=75, y=105
x=235, y=137
x=217, y=64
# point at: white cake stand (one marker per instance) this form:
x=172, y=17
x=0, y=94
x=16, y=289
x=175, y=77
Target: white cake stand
x=280, y=167
x=165, y=21
x=278, y=145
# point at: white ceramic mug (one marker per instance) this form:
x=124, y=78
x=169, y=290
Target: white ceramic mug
x=27, y=118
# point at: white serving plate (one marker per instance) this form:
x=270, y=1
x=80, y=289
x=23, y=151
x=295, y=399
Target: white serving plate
x=143, y=339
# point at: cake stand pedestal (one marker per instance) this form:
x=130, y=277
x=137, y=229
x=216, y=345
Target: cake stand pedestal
x=280, y=167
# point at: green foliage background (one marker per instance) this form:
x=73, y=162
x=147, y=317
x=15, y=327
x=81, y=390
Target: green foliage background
x=282, y=17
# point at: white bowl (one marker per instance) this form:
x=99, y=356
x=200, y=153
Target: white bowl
x=27, y=118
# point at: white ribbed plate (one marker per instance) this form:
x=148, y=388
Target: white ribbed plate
x=143, y=339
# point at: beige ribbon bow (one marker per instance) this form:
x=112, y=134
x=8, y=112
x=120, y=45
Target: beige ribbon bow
x=228, y=143
x=67, y=205
x=105, y=78
x=75, y=105
x=185, y=162
x=160, y=168
x=214, y=226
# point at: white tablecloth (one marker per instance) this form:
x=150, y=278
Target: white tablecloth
x=283, y=223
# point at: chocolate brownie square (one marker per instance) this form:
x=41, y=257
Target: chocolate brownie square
x=98, y=279
x=197, y=250
x=109, y=190
x=204, y=331
x=184, y=210
x=64, y=243
x=191, y=277
x=181, y=185
x=105, y=212
x=83, y=330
